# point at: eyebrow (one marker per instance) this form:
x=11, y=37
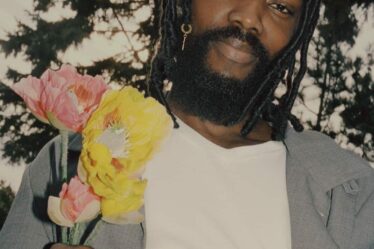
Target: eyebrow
x=295, y=4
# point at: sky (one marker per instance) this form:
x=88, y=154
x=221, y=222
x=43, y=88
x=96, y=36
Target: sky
x=95, y=48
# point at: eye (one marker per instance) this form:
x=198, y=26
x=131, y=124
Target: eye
x=282, y=8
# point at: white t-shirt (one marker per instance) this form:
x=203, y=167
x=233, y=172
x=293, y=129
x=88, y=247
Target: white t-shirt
x=202, y=196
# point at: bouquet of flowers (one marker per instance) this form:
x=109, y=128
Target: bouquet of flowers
x=121, y=130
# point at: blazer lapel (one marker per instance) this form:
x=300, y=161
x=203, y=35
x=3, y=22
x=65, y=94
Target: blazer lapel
x=308, y=230
x=320, y=173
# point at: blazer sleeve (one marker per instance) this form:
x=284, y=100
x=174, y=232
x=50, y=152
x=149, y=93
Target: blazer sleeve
x=27, y=225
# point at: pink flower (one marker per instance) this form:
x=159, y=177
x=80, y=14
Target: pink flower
x=63, y=98
x=77, y=203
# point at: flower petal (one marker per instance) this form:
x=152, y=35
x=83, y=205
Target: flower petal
x=128, y=218
x=55, y=214
x=116, y=141
x=30, y=90
x=120, y=137
x=70, y=97
x=53, y=120
x=82, y=173
x=90, y=212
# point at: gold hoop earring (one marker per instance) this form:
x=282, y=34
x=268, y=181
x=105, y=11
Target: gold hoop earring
x=186, y=30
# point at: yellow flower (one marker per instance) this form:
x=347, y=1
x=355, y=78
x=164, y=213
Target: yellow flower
x=119, y=139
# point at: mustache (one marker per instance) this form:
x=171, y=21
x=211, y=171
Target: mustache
x=232, y=32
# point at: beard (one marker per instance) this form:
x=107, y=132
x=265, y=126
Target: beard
x=200, y=91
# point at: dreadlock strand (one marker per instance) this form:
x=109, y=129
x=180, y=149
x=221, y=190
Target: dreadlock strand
x=295, y=123
x=271, y=77
x=278, y=121
x=297, y=81
x=156, y=80
x=251, y=121
x=170, y=34
x=167, y=106
x=289, y=79
x=186, y=10
x=161, y=61
x=290, y=51
x=169, y=44
x=303, y=59
x=157, y=65
x=303, y=68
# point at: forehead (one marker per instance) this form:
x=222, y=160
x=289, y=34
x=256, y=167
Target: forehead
x=295, y=3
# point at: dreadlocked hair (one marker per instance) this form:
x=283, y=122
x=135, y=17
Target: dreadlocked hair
x=261, y=105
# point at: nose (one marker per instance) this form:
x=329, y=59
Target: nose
x=247, y=15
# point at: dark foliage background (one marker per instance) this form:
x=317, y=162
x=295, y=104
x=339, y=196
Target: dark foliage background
x=41, y=43
x=345, y=85
x=6, y=198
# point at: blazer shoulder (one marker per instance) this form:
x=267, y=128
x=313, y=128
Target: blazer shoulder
x=309, y=138
x=44, y=169
x=327, y=163
x=315, y=145
x=43, y=161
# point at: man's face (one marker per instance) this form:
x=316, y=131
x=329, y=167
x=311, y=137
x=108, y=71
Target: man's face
x=229, y=53
x=272, y=22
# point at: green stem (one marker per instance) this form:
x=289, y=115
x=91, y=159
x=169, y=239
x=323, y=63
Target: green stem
x=64, y=155
x=64, y=235
x=64, y=173
x=74, y=235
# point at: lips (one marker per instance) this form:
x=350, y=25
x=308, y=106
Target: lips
x=235, y=50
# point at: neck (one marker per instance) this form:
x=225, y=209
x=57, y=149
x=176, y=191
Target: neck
x=225, y=136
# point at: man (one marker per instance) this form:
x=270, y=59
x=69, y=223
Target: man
x=233, y=175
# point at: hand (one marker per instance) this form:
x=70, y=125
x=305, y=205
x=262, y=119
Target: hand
x=62, y=246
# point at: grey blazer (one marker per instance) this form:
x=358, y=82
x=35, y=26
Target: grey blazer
x=330, y=195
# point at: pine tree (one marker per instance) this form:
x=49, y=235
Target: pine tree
x=42, y=41
x=6, y=199
x=346, y=88
x=358, y=115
